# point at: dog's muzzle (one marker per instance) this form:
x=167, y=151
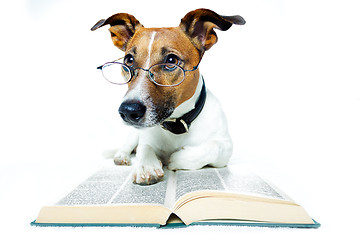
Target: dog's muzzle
x=132, y=111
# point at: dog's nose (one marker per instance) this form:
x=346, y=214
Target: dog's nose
x=132, y=111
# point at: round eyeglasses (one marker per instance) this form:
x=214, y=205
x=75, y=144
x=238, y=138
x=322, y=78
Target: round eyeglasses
x=163, y=74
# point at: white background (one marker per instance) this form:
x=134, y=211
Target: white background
x=288, y=81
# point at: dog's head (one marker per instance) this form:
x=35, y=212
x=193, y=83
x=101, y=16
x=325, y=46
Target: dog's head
x=148, y=102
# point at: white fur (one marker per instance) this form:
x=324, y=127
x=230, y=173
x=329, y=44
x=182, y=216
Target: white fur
x=207, y=143
x=151, y=42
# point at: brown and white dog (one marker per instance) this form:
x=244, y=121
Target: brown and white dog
x=162, y=115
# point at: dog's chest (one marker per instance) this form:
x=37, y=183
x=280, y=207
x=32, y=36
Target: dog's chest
x=163, y=142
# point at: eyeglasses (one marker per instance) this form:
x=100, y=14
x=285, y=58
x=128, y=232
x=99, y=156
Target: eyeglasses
x=163, y=74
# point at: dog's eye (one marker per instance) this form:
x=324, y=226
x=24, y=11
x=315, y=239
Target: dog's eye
x=129, y=60
x=173, y=59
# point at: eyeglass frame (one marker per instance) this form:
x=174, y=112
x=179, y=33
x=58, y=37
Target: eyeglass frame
x=147, y=70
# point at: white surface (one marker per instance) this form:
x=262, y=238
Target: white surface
x=288, y=80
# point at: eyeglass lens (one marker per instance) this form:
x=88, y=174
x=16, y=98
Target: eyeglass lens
x=116, y=73
x=166, y=74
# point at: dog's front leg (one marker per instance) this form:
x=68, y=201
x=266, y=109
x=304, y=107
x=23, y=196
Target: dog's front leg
x=148, y=168
x=215, y=153
x=122, y=156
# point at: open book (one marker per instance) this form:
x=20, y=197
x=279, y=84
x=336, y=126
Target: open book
x=228, y=195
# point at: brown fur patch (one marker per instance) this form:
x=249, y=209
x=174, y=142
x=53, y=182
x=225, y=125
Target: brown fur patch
x=167, y=40
x=199, y=25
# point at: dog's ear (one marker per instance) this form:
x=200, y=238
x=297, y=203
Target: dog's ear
x=199, y=26
x=123, y=27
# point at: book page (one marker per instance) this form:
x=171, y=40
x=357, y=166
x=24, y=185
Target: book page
x=246, y=182
x=113, y=185
x=195, y=180
x=224, y=179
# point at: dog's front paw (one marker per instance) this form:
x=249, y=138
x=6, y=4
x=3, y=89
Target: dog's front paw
x=121, y=158
x=187, y=158
x=148, y=174
x=195, y=157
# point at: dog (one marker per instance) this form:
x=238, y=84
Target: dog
x=181, y=126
